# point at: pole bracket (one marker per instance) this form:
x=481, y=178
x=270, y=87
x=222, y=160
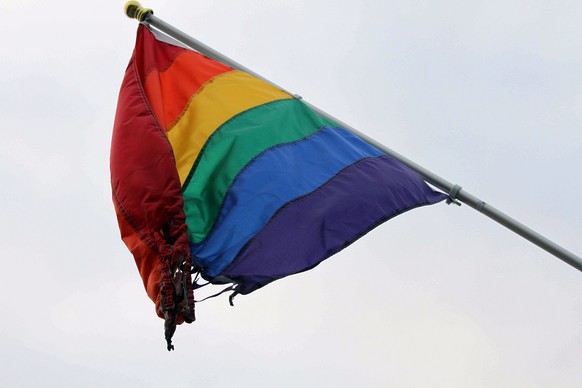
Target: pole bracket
x=453, y=195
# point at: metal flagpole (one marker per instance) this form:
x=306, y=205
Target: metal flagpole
x=457, y=195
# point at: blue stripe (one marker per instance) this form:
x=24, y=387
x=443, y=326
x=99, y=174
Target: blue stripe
x=276, y=177
x=315, y=226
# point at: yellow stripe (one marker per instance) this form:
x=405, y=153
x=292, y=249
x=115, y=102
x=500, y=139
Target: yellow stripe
x=216, y=102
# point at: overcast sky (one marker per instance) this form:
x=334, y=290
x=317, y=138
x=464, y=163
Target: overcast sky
x=487, y=94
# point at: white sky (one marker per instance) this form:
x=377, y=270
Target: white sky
x=487, y=94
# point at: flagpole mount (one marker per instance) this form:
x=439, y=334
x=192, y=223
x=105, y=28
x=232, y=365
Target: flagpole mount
x=134, y=10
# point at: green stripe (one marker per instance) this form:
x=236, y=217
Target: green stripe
x=231, y=147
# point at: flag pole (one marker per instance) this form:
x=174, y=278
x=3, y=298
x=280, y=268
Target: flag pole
x=457, y=195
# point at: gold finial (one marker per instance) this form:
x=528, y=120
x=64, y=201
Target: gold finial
x=134, y=10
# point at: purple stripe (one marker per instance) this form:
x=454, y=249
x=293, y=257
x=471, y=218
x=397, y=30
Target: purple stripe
x=311, y=228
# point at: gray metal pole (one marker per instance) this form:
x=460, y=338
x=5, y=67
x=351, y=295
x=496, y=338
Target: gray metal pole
x=456, y=193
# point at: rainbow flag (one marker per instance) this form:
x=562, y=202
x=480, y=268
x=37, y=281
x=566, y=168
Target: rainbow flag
x=218, y=172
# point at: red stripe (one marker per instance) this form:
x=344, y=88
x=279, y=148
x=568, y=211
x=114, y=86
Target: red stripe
x=146, y=185
x=153, y=54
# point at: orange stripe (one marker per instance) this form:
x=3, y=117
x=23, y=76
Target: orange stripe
x=169, y=90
